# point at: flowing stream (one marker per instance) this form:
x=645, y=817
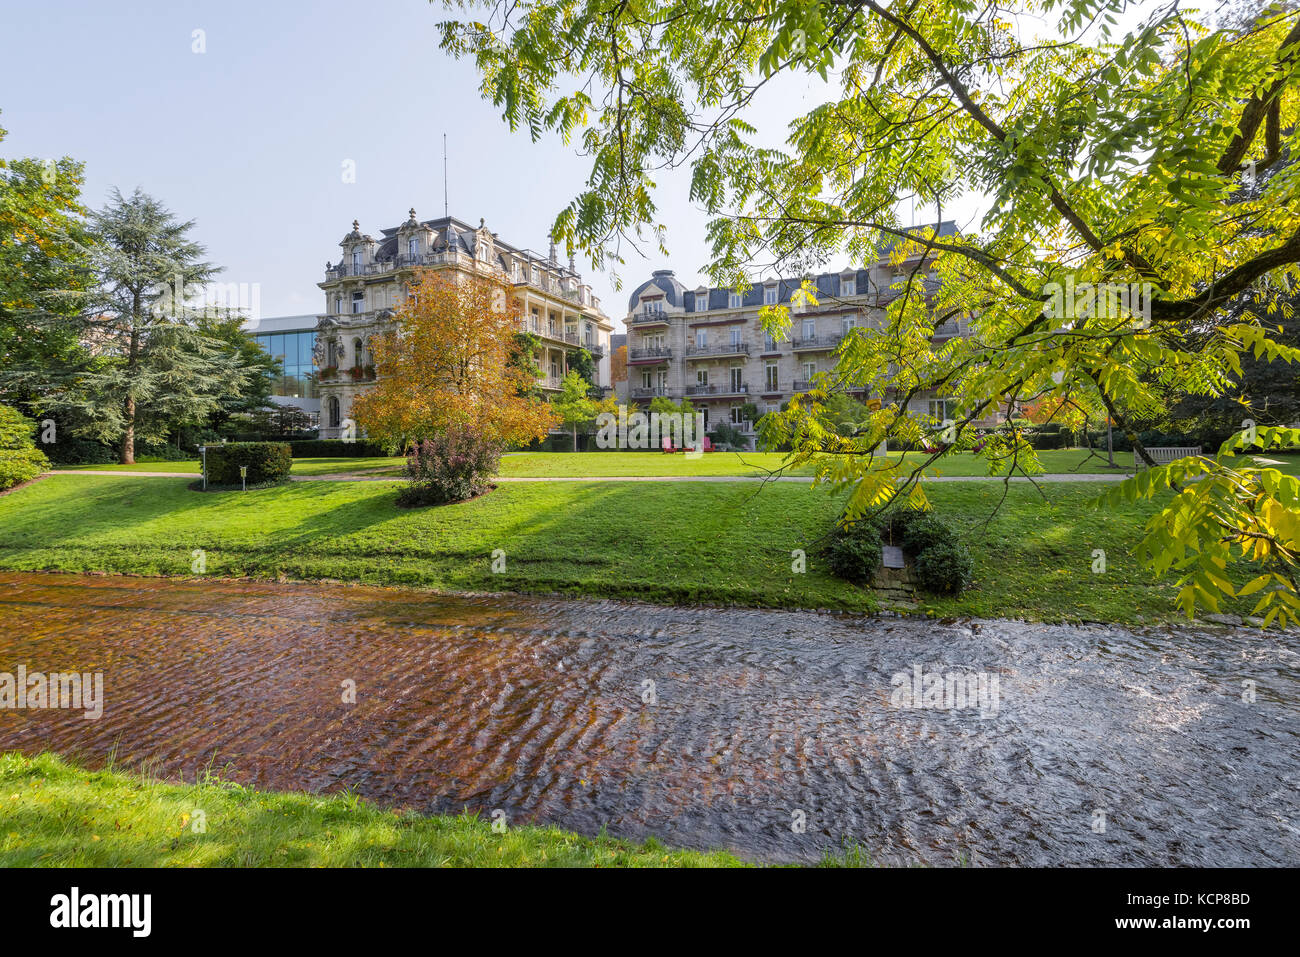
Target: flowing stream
x=779, y=735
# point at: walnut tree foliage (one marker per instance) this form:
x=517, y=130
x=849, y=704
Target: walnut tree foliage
x=1107, y=146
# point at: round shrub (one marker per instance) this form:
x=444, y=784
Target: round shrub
x=451, y=467
x=945, y=567
x=268, y=463
x=854, y=553
x=925, y=532
x=894, y=523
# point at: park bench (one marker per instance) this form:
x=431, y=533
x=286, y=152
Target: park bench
x=1163, y=455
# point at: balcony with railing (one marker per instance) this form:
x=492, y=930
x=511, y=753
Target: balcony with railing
x=551, y=382
x=816, y=343
x=344, y=270
x=649, y=354
x=648, y=319
x=729, y=388
x=718, y=350
x=803, y=385
x=653, y=392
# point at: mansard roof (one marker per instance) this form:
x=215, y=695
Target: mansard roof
x=827, y=283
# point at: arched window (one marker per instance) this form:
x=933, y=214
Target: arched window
x=332, y=411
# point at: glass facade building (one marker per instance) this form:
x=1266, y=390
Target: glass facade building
x=293, y=349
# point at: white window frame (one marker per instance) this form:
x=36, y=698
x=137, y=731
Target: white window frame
x=772, y=376
x=769, y=295
x=733, y=300
x=849, y=286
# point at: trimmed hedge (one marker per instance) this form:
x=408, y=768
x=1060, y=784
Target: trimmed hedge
x=268, y=463
x=336, y=449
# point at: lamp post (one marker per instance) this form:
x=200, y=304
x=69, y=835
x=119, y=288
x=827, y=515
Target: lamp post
x=243, y=476
x=204, y=450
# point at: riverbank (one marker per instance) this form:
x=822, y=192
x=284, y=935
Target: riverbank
x=673, y=543
x=56, y=814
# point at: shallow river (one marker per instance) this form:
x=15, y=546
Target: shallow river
x=779, y=735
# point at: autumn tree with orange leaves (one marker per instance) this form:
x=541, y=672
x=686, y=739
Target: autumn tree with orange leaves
x=449, y=366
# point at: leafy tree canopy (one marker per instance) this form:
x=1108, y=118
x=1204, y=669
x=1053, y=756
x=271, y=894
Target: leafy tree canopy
x=1102, y=155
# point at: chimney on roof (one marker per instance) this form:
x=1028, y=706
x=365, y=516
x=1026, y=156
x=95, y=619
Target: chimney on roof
x=551, y=257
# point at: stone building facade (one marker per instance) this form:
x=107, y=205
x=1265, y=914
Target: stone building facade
x=364, y=288
x=707, y=345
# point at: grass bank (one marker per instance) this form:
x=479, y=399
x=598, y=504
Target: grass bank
x=662, y=542
x=55, y=814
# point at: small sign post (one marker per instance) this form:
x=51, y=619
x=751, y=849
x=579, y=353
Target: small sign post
x=243, y=476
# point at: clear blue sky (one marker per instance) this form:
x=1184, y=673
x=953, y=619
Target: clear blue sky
x=248, y=139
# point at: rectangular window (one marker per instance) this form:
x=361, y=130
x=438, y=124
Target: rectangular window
x=701, y=302
x=939, y=409
x=769, y=296
x=770, y=373
x=662, y=383
x=701, y=338
x=702, y=377
x=646, y=379
x=848, y=287
x=846, y=324
x=733, y=300
x=412, y=247
x=769, y=344
x=735, y=336
x=737, y=378
x=809, y=328
x=358, y=302
x=737, y=414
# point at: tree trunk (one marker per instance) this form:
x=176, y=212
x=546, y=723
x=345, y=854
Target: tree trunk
x=128, y=434
x=575, y=436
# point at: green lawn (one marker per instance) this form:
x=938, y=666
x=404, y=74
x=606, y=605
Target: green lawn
x=639, y=464
x=54, y=814
x=665, y=542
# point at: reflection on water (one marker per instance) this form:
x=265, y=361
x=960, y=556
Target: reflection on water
x=706, y=728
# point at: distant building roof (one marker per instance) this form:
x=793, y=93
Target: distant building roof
x=827, y=283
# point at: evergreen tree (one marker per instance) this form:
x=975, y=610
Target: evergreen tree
x=149, y=365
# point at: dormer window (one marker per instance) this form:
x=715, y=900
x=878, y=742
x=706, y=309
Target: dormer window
x=356, y=259
x=733, y=300
x=412, y=247
x=849, y=286
x=701, y=302
x=769, y=296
